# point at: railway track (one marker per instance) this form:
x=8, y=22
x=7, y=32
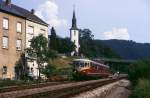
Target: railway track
x=58, y=91
x=30, y=86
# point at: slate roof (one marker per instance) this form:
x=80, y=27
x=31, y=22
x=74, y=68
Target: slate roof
x=20, y=12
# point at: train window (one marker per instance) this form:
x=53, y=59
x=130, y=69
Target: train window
x=86, y=64
x=92, y=65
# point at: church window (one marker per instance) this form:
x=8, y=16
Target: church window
x=74, y=33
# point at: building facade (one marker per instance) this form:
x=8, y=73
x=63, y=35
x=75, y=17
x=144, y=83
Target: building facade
x=34, y=29
x=74, y=35
x=17, y=27
x=12, y=42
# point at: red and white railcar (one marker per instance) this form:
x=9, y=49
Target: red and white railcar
x=91, y=68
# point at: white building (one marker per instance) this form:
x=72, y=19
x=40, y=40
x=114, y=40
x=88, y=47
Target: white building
x=34, y=27
x=74, y=35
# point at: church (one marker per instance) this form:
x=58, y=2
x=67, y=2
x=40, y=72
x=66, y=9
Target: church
x=74, y=35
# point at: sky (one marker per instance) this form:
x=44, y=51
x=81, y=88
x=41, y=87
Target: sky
x=107, y=19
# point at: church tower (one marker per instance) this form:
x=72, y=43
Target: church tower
x=74, y=35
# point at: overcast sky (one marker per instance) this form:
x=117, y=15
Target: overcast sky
x=107, y=19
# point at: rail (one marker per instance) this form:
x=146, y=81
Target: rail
x=30, y=86
x=59, y=91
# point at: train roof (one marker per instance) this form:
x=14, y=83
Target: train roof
x=87, y=60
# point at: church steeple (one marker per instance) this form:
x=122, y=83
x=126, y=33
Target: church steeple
x=74, y=21
x=74, y=35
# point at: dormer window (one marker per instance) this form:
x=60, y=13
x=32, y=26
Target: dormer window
x=8, y=2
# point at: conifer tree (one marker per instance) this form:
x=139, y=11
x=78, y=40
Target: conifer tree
x=53, y=39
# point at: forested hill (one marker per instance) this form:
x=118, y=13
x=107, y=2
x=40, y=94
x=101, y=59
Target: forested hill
x=129, y=49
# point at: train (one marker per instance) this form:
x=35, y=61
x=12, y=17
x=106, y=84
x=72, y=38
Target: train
x=91, y=68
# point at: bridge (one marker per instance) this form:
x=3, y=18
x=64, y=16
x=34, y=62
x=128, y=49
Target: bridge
x=116, y=64
x=118, y=61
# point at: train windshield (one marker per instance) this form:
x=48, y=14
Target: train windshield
x=79, y=64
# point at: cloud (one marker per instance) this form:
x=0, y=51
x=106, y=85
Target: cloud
x=48, y=11
x=117, y=33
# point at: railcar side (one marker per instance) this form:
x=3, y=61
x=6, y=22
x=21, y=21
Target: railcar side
x=91, y=68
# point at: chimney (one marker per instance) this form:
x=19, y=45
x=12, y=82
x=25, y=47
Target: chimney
x=32, y=11
x=8, y=2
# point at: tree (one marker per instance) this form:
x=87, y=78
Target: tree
x=21, y=68
x=52, y=54
x=139, y=70
x=86, y=34
x=54, y=40
x=94, y=48
x=49, y=71
x=66, y=46
x=38, y=51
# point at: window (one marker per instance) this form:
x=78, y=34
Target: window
x=5, y=42
x=18, y=44
x=19, y=27
x=74, y=33
x=4, y=70
x=30, y=30
x=32, y=70
x=5, y=23
x=42, y=31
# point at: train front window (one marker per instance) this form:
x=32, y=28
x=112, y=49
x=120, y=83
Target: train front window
x=81, y=64
x=76, y=64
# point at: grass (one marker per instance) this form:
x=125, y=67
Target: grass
x=7, y=83
x=61, y=63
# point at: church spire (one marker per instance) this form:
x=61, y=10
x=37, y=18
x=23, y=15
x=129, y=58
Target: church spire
x=74, y=21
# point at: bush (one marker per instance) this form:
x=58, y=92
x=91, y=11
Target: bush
x=139, y=70
x=142, y=89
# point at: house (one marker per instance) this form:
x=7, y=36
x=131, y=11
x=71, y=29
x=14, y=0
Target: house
x=17, y=28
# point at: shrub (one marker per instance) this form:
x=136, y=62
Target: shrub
x=142, y=89
x=140, y=69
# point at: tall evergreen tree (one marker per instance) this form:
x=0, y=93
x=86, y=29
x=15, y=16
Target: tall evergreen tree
x=53, y=32
x=54, y=41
